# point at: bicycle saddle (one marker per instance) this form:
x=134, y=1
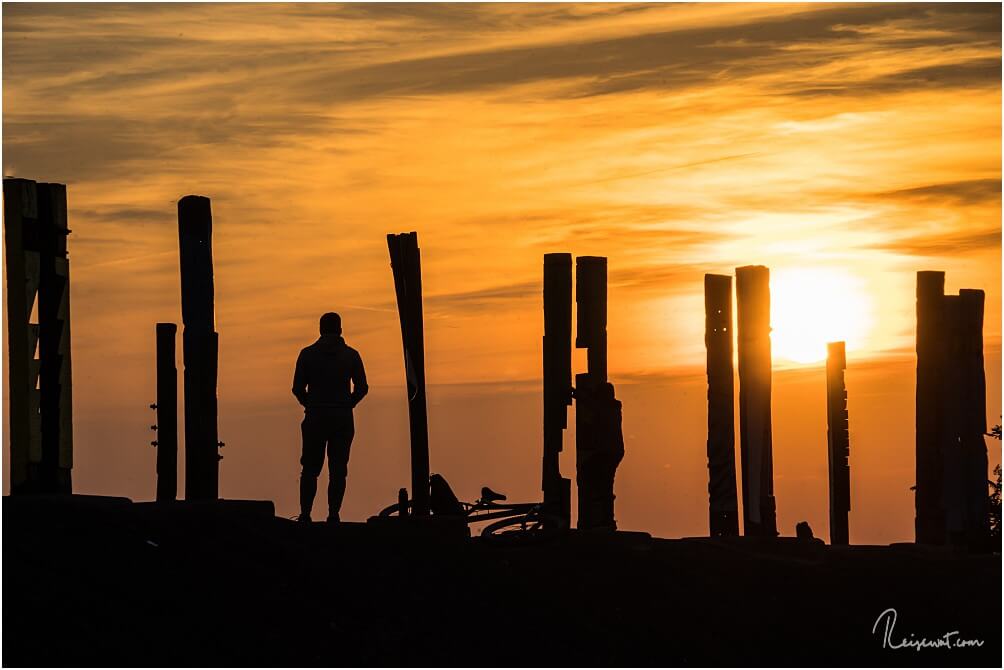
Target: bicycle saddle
x=490, y=496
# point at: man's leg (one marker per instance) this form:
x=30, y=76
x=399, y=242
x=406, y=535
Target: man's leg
x=339, y=443
x=312, y=460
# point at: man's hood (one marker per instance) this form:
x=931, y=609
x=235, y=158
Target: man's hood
x=330, y=342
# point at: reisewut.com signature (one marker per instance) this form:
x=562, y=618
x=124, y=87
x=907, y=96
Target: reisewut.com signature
x=886, y=623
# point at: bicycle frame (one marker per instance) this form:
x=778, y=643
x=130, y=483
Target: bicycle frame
x=480, y=510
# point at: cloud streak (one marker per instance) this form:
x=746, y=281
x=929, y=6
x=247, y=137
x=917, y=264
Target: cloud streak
x=947, y=244
x=968, y=192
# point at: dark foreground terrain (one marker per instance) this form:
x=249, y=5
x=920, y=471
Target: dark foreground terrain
x=102, y=581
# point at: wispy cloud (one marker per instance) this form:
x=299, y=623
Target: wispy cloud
x=967, y=192
x=950, y=244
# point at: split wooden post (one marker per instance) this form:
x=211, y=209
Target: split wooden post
x=755, y=438
x=723, y=506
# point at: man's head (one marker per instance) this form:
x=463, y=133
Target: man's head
x=331, y=324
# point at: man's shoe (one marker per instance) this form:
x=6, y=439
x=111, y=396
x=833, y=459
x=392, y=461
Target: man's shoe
x=303, y=518
x=333, y=520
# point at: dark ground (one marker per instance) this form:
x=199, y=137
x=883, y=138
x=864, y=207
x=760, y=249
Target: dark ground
x=102, y=581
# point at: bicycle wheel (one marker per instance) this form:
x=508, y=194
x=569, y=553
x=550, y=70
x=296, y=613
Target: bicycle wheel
x=392, y=510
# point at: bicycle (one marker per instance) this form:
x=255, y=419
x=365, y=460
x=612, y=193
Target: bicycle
x=513, y=520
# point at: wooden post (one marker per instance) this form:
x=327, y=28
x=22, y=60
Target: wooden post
x=950, y=399
x=405, y=260
x=598, y=440
x=55, y=381
x=929, y=522
x=838, y=443
x=200, y=344
x=167, y=414
x=973, y=420
x=23, y=269
x=723, y=507
x=755, y=442
x=557, y=347
x=41, y=405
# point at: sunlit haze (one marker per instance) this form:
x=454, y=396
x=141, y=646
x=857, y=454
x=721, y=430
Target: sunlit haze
x=813, y=306
x=845, y=147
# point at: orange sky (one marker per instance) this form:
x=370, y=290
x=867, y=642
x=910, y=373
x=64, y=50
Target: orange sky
x=844, y=146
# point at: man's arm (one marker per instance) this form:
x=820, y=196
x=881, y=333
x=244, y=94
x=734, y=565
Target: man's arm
x=300, y=380
x=359, y=386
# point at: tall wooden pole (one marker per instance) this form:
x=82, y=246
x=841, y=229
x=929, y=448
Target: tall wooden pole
x=723, y=507
x=755, y=440
x=557, y=347
x=405, y=260
x=200, y=344
x=929, y=493
x=838, y=443
x=167, y=413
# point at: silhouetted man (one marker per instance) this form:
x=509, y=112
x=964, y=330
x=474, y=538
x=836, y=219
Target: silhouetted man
x=321, y=384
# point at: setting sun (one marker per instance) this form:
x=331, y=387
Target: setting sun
x=813, y=306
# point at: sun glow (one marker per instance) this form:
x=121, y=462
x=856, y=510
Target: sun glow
x=812, y=306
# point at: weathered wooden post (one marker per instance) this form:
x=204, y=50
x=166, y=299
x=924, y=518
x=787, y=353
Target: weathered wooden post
x=838, y=443
x=972, y=418
x=55, y=382
x=599, y=444
x=557, y=348
x=200, y=344
x=167, y=414
x=929, y=505
x=37, y=267
x=755, y=442
x=723, y=507
x=405, y=260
